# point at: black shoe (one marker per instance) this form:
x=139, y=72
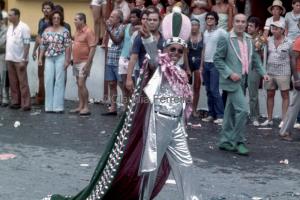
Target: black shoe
x=14, y=106
x=26, y=108
x=59, y=112
x=85, y=113
x=4, y=104
x=114, y=113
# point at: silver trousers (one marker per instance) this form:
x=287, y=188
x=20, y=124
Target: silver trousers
x=171, y=140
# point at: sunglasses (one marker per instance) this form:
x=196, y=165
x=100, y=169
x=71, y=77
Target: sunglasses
x=179, y=51
x=210, y=18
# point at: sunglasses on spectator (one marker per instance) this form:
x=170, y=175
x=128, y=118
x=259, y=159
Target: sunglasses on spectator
x=210, y=18
x=173, y=50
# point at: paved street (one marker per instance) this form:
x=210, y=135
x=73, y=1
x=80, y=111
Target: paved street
x=57, y=153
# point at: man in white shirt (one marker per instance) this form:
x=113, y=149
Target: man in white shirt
x=209, y=71
x=17, y=49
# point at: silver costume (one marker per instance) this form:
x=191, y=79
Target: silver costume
x=165, y=133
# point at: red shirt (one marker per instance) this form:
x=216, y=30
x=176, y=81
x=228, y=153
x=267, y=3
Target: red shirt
x=83, y=41
x=296, y=47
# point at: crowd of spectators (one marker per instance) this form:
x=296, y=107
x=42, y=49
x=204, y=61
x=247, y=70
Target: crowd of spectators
x=116, y=28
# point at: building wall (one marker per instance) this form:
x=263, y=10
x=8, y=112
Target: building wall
x=31, y=11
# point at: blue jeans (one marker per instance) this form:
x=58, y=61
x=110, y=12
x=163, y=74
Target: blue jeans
x=214, y=99
x=54, y=83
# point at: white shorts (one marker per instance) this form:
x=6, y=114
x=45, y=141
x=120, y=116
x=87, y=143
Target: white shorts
x=97, y=2
x=78, y=69
x=123, y=65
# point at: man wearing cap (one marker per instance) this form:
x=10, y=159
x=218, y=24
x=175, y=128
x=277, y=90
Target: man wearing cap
x=279, y=70
x=276, y=10
x=234, y=55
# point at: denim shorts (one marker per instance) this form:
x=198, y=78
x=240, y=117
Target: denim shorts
x=112, y=73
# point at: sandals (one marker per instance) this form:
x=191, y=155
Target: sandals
x=286, y=137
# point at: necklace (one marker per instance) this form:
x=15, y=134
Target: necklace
x=193, y=44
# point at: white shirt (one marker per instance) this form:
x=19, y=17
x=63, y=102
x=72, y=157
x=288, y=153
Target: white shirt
x=16, y=39
x=291, y=21
x=4, y=14
x=211, y=39
x=270, y=20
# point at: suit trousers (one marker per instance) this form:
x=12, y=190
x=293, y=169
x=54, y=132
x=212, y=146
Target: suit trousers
x=18, y=81
x=54, y=83
x=235, y=118
x=253, y=87
x=291, y=114
x=171, y=140
x=252, y=81
x=4, y=90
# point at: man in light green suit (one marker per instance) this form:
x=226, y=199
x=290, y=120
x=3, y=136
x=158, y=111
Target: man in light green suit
x=234, y=56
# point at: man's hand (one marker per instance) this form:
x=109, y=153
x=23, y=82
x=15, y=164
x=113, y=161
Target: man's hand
x=188, y=73
x=86, y=69
x=297, y=84
x=266, y=77
x=40, y=62
x=108, y=25
x=129, y=84
x=33, y=55
x=235, y=77
x=144, y=31
x=66, y=64
x=24, y=62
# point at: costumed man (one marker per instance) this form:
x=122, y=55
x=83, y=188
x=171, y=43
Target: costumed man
x=234, y=55
x=151, y=138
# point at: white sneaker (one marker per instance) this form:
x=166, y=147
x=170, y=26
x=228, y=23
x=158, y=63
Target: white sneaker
x=208, y=119
x=267, y=123
x=297, y=125
x=255, y=123
x=281, y=124
x=218, y=121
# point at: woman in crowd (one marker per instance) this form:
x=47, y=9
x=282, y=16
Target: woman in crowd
x=195, y=46
x=226, y=13
x=55, y=47
x=198, y=11
x=98, y=8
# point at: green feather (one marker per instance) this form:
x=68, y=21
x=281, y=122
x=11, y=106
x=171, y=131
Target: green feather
x=176, y=25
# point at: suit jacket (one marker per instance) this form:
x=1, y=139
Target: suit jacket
x=227, y=60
